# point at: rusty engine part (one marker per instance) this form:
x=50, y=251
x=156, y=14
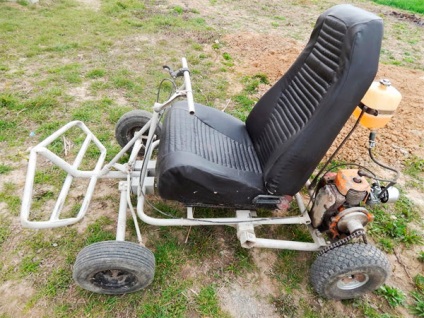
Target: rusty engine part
x=337, y=202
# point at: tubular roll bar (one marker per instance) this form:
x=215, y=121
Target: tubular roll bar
x=72, y=171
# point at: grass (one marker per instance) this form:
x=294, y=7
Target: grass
x=4, y=169
x=391, y=225
x=8, y=196
x=394, y=296
x=410, y=5
x=417, y=308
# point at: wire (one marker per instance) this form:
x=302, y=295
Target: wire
x=160, y=88
x=391, y=182
x=203, y=220
x=314, y=182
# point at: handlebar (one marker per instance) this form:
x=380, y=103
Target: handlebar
x=188, y=88
x=183, y=91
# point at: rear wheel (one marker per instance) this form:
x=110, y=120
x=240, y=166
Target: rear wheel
x=349, y=271
x=114, y=267
x=130, y=123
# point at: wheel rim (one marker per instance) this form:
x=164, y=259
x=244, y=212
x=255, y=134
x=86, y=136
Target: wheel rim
x=133, y=131
x=114, y=279
x=352, y=281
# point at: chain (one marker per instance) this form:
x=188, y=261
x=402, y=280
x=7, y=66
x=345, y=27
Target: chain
x=344, y=241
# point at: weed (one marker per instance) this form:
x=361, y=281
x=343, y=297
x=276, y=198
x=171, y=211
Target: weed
x=8, y=196
x=207, y=302
x=285, y=305
x=419, y=282
x=386, y=244
x=4, y=169
x=420, y=257
x=394, y=296
x=289, y=269
x=392, y=226
x=58, y=281
x=418, y=307
x=178, y=10
x=4, y=230
x=96, y=232
x=227, y=56
x=96, y=73
x=29, y=265
x=414, y=166
x=368, y=309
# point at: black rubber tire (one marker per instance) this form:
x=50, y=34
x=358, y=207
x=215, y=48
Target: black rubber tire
x=130, y=123
x=349, y=271
x=114, y=267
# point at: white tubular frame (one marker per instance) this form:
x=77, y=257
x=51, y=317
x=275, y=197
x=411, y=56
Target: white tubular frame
x=72, y=171
x=138, y=178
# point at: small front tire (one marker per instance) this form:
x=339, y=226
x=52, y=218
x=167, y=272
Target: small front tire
x=114, y=267
x=129, y=124
x=349, y=271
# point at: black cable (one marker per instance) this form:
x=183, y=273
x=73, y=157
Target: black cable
x=160, y=88
x=314, y=181
x=391, y=182
x=202, y=220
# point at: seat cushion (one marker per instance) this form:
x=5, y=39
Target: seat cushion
x=207, y=159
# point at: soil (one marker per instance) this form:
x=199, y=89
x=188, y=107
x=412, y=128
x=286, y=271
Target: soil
x=402, y=138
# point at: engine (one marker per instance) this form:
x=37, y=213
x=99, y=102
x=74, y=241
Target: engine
x=338, y=198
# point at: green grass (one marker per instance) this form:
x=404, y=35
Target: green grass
x=9, y=196
x=419, y=282
x=207, y=302
x=4, y=169
x=417, y=308
x=394, y=296
x=411, y=5
x=4, y=230
x=391, y=224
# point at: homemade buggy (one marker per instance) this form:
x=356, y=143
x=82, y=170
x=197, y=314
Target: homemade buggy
x=209, y=158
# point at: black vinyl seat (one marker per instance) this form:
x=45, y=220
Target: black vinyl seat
x=212, y=158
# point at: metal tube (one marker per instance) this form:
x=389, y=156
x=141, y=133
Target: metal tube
x=122, y=215
x=214, y=221
x=134, y=153
x=29, y=184
x=285, y=245
x=133, y=214
x=188, y=88
x=149, y=147
x=118, y=156
x=68, y=181
x=72, y=171
x=301, y=204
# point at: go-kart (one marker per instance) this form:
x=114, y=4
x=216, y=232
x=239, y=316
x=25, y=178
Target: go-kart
x=207, y=158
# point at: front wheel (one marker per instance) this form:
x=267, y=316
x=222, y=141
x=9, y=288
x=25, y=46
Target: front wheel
x=114, y=267
x=129, y=124
x=349, y=271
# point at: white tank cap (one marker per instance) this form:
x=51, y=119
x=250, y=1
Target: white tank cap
x=385, y=82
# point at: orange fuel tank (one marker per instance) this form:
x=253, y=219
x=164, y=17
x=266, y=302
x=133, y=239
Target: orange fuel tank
x=383, y=99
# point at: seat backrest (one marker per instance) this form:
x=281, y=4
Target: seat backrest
x=293, y=125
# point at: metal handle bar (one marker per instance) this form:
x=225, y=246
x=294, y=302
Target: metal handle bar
x=184, y=91
x=189, y=91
